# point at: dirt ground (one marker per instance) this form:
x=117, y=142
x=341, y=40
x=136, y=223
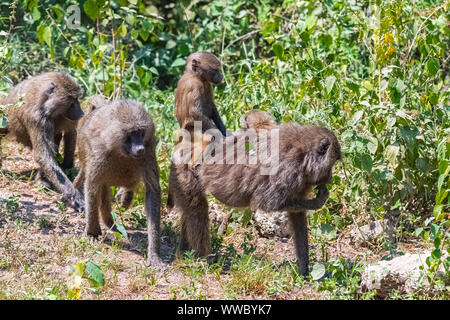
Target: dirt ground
x=41, y=240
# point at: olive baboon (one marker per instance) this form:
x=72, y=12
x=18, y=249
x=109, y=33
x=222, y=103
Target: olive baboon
x=194, y=98
x=306, y=157
x=117, y=147
x=257, y=119
x=49, y=113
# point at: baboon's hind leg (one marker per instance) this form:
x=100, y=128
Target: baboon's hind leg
x=125, y=197
x=105, y=206
x=195, y=226
x=92, y=197
x=189, y=198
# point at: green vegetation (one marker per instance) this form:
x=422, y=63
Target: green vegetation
x=374, y=72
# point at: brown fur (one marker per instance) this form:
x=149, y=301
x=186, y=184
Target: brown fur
x=257, y=119
x=306, y=157
x=194, y=98
x=106, y=161
x=43, y=110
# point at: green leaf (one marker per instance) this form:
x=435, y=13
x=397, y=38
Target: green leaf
x=121, y=31
x=353, y=86
x=95, y=273
x=3, y=122
x=443, y=166
x=318, y=271
x=329, y=83
x=44, y=34
x=366, y=162
x=278, y=49
x=372, y=145
x=438, y=213
x=432, y=66
x=441, y=181
x=310, y=22
x=357, y=116
x=36, y=14
x=418, y=231
x=122, y=230
x=434, y=229
x=436, y=254
x=91, y=9
x=391, y=154
x=179, y=62
x=154, y=70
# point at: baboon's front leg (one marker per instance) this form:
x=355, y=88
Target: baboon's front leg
x=299, y=223
x=153, y=206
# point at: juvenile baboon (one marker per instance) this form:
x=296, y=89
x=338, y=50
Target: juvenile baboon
x=306, y=156
x=257, y=119
x=194, y=98
x=116, y=145
x=43, y=110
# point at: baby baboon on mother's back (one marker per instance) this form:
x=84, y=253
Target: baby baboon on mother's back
x=43, y=110
x=116, y=147
x=194, y=99
x=306, y=155
x=257, y=119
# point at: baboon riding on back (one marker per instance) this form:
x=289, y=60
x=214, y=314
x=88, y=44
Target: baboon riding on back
x=306, y=156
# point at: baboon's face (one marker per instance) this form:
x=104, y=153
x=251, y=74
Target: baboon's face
x=134, y=144
x=207, y=66
x=74, y=112
x=64, y=103
x=327, y=153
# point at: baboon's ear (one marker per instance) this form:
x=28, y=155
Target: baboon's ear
x=195, y=65
x=323, y=146
x=51, y=87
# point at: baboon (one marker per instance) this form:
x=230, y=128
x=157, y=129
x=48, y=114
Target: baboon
x=194, y=98
x=117, y=147
x=43, y=110
x=306, y=156
x=257, y=119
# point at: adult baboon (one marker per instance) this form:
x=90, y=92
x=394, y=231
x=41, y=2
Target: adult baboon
x=194, y=98
x=43, y=110
x=306, y=155
x=116, y=145
x=257, y=119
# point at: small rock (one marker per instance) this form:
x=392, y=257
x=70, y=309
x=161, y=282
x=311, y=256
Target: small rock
x=370, y=232
x=401, y=273
x=272, y=224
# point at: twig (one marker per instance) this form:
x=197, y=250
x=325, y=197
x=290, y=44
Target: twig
x=70, y=44
x=244, y=37
x=189, y=26
x=420, y=28
x=101, y=59
x=114, y=52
